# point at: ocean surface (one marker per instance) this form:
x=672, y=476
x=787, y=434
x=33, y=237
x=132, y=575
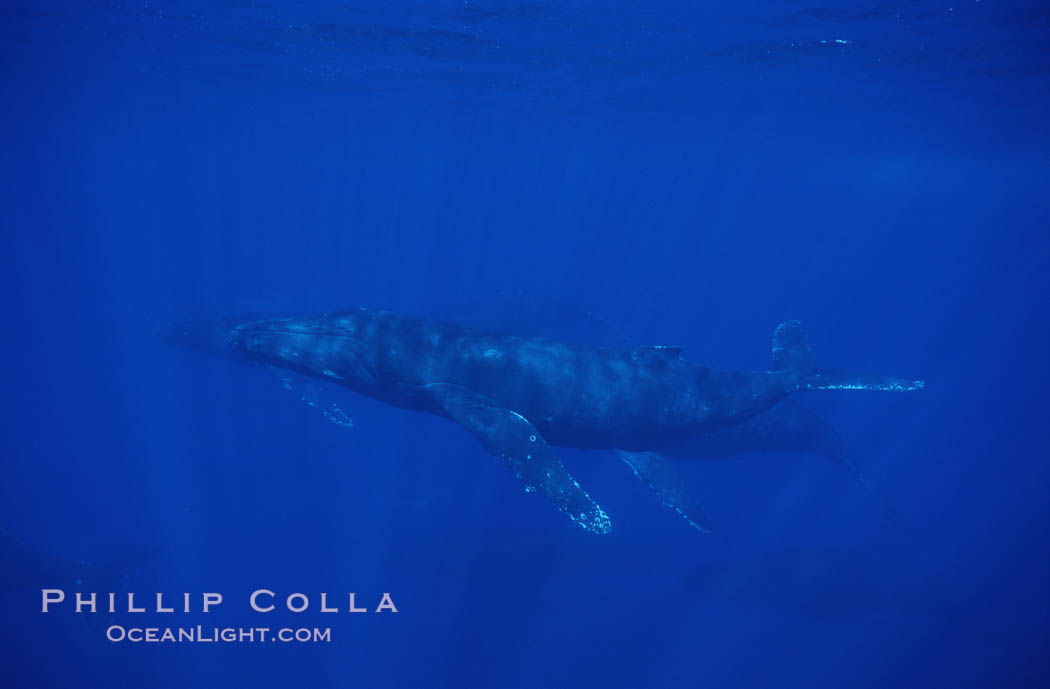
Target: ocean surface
x=663, y=173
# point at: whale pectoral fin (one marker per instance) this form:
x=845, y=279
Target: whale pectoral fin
x=509, y=436
x=313, y=395
x=659, y=473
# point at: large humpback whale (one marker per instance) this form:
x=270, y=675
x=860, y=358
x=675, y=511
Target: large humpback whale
x=521, y=395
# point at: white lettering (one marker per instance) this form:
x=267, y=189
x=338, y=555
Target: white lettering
x=255, y=596
x=211, y=599
x=160, y=604
x=132, y=608
x=81, y=602
x=304, y=606
x=386, y=604
x=48, y=597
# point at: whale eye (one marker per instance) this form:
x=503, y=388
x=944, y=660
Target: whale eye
x=532, y=438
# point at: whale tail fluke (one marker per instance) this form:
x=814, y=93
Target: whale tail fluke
x=791, y=352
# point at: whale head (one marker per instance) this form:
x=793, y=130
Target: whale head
x=315, y=346
x=282, y=341
x=207, y=334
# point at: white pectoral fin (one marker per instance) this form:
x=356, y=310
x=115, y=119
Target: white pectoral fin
x=660, y=475
x=315, y=395
x=511, y=437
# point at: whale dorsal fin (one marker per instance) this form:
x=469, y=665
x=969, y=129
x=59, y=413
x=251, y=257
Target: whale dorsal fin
x=791, y=351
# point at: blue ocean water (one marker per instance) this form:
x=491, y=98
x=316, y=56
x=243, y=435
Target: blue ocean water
x=691, y=173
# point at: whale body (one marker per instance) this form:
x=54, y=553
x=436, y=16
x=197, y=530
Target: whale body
x=521, y=395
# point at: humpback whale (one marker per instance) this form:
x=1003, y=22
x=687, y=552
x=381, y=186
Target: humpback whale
x=522, y=395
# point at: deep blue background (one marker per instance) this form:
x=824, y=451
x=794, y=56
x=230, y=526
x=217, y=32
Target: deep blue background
x=693, y=174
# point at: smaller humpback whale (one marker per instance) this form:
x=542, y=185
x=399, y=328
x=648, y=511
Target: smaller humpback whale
x=786, y=426
x=521, y=395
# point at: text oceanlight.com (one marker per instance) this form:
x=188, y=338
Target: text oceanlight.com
x=201, y=634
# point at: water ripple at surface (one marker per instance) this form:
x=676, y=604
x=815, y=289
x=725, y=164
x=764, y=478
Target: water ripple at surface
x=668, y=57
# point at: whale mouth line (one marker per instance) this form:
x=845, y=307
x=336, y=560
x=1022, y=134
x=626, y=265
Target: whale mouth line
x=286, y=331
